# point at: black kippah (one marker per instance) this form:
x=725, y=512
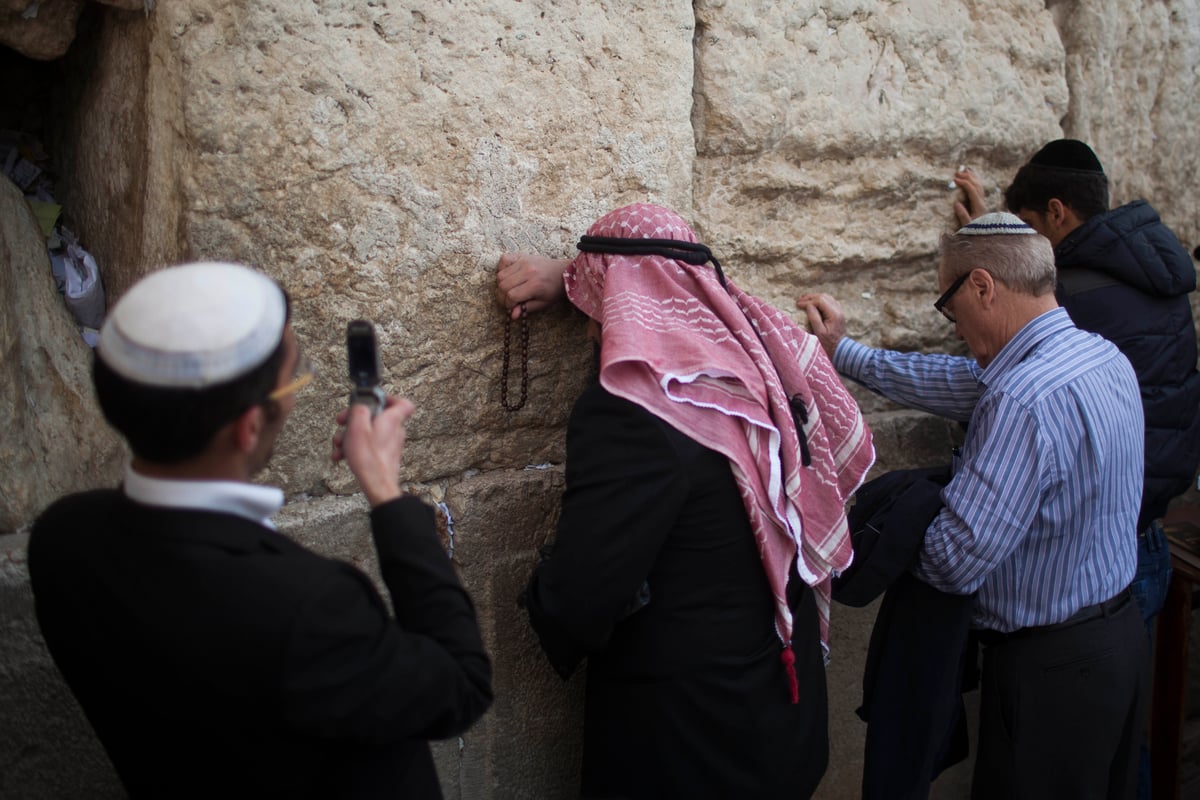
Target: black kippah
x=688, y=252
x=1069, y=154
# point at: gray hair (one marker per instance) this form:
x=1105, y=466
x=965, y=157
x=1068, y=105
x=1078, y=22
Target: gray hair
x=1022, y=262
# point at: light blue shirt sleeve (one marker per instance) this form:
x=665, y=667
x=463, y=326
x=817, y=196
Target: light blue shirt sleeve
x=946, y=385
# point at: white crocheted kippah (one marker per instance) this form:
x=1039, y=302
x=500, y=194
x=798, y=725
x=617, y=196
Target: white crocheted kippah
x=194, y=326
x=997, y=222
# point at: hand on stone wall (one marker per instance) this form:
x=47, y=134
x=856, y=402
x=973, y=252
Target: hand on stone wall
x=972, y=188
x=825, y=319
x=531, y=279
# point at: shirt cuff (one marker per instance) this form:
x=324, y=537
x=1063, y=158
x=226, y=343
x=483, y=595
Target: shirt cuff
x=850, y=357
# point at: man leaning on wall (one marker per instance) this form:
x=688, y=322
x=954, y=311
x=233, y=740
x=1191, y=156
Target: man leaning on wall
x=1040, y=515
x=214, y=656
x=1124, y=275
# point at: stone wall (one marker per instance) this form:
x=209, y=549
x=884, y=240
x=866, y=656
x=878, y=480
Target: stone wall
x=52, y=437
x=378, y=157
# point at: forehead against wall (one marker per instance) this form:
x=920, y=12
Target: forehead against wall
x=378, y=157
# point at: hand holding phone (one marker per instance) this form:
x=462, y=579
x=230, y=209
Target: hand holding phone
x=362, y=358
x=373, y=450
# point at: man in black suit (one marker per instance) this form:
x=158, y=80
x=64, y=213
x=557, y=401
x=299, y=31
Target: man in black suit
x=214, y=656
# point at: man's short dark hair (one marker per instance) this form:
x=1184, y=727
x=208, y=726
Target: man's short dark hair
x=1085, y=192
x=166, y=425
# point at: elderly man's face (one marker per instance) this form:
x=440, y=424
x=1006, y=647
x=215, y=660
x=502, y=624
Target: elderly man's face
x=964, y=308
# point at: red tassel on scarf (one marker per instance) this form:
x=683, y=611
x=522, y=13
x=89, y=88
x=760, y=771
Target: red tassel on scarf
x=789, y=663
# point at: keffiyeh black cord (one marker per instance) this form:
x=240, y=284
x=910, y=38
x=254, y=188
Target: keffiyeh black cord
x=688, y=252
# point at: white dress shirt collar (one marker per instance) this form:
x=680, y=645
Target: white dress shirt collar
x=254, y=502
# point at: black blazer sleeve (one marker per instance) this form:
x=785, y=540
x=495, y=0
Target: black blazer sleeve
x=353, y=672
x=625, y=489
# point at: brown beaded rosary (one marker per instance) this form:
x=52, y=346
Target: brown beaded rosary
x=508, y=322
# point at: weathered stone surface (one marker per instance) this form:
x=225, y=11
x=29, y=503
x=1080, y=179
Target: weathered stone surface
x=122, y=150
x=39, y=29
x=378, y=162
x=46, y=29
x=1133, y=71
x=377, y=159
x=53, y=438
x=533, y=732
x=827, y=132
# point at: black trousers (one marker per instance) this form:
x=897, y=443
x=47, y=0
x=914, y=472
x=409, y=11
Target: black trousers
x=1062, y=711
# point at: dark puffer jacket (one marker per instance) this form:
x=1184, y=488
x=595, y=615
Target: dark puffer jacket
x=1124, y=275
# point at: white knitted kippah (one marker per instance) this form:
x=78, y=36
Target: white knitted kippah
x=194, y=326
x=994, y=223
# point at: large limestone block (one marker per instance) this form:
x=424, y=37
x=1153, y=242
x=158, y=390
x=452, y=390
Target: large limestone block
x=45, y=29
x=120, y=147
x=39, y=29
x=1133, y=69
x=378, y=159
x=534, y=730
x=827, y=131
x=53, y=438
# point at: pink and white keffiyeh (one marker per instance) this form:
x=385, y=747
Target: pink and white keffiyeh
x=720, y=365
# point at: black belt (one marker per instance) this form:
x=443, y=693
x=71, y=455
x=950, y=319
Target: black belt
x=1085, y=614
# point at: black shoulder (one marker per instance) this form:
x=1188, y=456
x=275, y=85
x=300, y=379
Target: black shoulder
x=74, y=510
x=598, y=413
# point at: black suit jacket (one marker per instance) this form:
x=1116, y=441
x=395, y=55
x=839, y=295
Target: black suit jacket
x=218, y=658
x=686, y=694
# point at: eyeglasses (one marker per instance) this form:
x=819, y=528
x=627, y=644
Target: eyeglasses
x=302, y=376
x=940, y=304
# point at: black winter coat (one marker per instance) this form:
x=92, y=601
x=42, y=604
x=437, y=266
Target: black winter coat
x=1124, y=275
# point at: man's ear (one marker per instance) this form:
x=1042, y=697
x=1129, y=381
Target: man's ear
x=247, y=428
x=982, y=284
x=1057, y=211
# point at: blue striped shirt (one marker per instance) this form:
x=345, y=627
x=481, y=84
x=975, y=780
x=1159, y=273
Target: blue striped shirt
x=1041, y=513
